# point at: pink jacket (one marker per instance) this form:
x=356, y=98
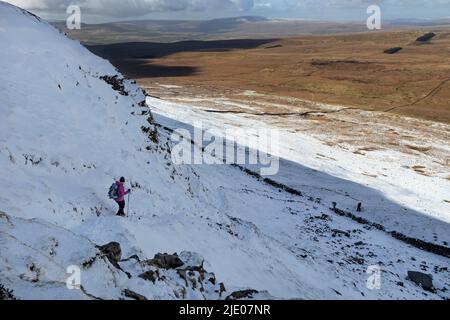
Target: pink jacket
x=121, y=191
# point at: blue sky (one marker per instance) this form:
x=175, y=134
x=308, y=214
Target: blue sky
x=104, y=10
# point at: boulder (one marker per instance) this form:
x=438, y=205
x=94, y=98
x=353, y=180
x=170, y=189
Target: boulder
x=426, y=37
x=165, y=261
x=422, y=279
x=192, y=260
x=149, y=276
x=112, y=251
x=393, y=50
x=133, y=295
x=242, y=294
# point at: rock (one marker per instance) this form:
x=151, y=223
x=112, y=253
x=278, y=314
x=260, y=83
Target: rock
x=133, y=257
x=337, y=232
x=149, y=275
x=359, y=207
x=422, y=279
x=6, y=294
x=242, y=294
x=324, y=217
x=116, y=83
x=113, y=252
x=133, y=295
x=192, y=260
x=426, y=37
x=192, y=279
x=165, y=261
x=212, y=278
x=337, y=292
x=222, y=289
x=357, y=260
x=393, y=50
x=183, y=275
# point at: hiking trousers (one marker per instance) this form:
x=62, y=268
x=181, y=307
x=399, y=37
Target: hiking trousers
x=121, y=208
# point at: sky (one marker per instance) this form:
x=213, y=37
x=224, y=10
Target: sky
x=113, y=10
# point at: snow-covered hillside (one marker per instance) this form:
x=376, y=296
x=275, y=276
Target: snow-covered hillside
x=71, y=125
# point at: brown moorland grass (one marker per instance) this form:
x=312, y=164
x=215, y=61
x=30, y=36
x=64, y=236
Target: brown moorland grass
x=350, y=70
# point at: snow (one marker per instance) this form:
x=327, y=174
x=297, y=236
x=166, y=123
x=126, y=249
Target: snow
x=66, y=135
x=392, y=195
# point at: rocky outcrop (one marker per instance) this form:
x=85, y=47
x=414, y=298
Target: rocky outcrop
x=422, y=279
x=6, y=294
x=182, y=276
x=242, y=294
x=165, y=261
x=116, y=83
x=150, y=275
x=191, y=260
x=113, y=252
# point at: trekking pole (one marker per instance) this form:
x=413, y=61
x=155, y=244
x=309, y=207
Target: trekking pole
x=128, y=209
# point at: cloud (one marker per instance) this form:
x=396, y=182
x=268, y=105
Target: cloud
x=206, y=8
x=351, y=9
x=128, y=8
x=244, y=5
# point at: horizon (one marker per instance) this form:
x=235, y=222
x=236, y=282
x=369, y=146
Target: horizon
x=137, y=19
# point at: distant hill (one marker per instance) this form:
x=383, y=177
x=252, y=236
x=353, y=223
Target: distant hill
x=216, y=29
x=223, y=29
x=419, y=22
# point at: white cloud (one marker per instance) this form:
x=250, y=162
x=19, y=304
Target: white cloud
x=332, y=8
x=123, y=8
